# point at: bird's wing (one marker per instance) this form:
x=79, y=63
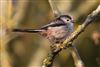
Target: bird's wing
x=53, y=24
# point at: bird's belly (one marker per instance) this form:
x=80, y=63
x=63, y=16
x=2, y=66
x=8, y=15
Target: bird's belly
x=59, y=33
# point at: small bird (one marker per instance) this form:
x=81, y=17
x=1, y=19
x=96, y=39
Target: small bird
x=56, y=32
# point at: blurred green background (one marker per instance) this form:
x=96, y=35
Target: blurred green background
x=28, y=50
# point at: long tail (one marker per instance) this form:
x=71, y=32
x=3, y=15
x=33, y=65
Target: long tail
x=27, y=30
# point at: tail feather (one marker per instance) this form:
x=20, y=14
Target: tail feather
x=27, y=30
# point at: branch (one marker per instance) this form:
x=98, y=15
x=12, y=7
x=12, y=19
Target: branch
x=54, y=8
x=90, y=18
x=47, y=62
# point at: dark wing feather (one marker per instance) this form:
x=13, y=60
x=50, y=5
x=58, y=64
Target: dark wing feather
x=53, y=24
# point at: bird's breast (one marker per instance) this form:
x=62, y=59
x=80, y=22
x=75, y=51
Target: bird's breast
x=58, y=32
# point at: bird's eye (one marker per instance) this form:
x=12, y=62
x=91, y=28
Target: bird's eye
x=67, y=20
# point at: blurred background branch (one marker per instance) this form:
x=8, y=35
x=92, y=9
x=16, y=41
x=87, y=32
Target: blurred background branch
x=5, y=22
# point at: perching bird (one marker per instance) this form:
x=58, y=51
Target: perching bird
x=56, y=31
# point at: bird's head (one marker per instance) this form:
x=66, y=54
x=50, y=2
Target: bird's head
x=66, y=18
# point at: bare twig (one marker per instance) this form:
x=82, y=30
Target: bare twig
x=77, y=60
x=90, y=18
x=54, y=8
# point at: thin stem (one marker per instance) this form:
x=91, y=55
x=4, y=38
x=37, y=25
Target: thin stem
x=54, y=8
